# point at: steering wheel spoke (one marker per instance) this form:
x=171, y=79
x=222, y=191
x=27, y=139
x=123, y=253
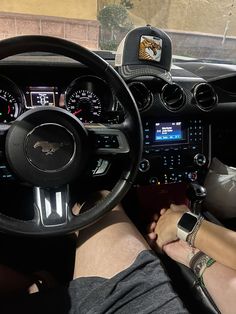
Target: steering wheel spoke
x=108, y=140
x=4, y=127
x=52, y=206
x=5, y=173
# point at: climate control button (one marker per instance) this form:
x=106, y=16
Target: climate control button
x=144, y=165
x=192, y=176
x=200, y=160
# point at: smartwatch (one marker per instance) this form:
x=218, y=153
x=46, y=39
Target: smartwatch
x=186, y=225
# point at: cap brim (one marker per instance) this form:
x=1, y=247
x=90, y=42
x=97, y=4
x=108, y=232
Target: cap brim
x=133, y=71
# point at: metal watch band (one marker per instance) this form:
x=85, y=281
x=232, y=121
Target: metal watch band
x=191, y=236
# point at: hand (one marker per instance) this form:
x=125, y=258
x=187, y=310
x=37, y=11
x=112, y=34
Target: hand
x=166, y=226
x=151, y=236
x=180, y=251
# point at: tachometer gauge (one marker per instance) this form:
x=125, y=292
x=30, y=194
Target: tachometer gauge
x=9, y=108
x=85, y=105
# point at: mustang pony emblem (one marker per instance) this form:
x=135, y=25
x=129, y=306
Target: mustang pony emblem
x=49, y=148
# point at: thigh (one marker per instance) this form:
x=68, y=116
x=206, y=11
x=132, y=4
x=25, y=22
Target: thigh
x=109, y=246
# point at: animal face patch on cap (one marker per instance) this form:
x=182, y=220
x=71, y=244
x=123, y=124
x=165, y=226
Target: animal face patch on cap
x=150, y=48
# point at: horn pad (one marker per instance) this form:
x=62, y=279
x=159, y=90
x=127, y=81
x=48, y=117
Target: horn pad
x=47, y=147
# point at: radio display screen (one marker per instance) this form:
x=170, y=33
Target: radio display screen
x=168, y=131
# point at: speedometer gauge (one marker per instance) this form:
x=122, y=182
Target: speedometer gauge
x=85, y=105
x=9, y=109
x=89, y=98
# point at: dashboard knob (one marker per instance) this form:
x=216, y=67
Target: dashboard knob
x=153, y=180
x=200, y=160
x=192, y=176
x=144, y=165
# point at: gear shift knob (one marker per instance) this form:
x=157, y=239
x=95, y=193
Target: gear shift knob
x=196, y=195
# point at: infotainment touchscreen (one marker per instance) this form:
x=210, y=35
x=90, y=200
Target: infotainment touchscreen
x=168, y=131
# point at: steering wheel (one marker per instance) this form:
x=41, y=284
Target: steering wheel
x=48, y=147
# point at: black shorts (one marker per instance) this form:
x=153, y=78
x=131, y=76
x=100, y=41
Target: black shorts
x=143, y=288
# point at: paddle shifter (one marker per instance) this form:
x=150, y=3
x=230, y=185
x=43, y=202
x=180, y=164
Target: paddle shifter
x=196, y=195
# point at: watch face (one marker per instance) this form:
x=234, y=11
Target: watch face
x=187, y=222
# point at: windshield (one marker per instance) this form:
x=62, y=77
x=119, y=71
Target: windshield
x=199, y=29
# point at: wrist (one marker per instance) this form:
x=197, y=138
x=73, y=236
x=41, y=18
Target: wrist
x=187, y=227
x=192, y=236
x=199, y=263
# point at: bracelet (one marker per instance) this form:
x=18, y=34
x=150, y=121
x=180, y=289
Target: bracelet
x=210, y=262
x=191, y=237
x=195, y=258
x=199, y=263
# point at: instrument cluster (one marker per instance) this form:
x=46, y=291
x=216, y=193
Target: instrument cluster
x=87, y=97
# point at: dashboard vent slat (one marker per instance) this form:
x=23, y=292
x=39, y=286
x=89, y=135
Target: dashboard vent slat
x=205, y=96
x=173, y=97
x=142, y=95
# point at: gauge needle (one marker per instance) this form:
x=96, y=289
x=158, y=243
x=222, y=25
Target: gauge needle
x=77, y=111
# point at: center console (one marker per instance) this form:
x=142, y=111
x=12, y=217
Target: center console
x=174, y=151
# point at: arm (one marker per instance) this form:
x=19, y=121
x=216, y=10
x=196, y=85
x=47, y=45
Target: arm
x=216, y=241
x=219, y=280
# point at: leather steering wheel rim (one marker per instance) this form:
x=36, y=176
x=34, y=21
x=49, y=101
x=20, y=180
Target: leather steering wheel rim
x=132, y=126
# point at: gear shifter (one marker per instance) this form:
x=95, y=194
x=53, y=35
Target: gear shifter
x=196, y=194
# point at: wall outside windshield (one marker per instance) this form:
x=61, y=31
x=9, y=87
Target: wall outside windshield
x=75, y=20
x=198, y=28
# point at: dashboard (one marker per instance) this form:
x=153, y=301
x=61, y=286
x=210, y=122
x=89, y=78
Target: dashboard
x=185, y=124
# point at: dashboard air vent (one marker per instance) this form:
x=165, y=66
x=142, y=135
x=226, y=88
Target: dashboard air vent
x=173, y=97
x=142, y=95
x=205, y=96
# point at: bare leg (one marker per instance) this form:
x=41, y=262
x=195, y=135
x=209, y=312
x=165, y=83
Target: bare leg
x=108, y=247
